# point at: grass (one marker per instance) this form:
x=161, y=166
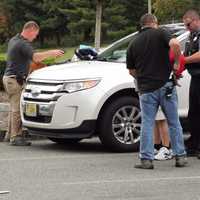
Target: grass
x=2, y=56
x=69, y=52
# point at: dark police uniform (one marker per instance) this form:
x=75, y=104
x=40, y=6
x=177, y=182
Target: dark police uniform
x=193, y=46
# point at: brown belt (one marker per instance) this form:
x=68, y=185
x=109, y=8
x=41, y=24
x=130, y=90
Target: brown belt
x=11, y=76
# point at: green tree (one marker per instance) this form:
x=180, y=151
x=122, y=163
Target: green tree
x=3, y=24
x=45, y=12
x=171, y=10
x=81, y=16
x=122, y=17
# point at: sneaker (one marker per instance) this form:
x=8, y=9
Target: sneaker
x=163, y=154
x=145, y=164
x=19, y=141
x=181, y=161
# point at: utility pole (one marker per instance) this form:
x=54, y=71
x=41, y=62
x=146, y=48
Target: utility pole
x=149, y=6
x=98, y=25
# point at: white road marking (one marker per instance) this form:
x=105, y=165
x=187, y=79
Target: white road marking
x=37, y=158
x=133, y=180
x=4, y=192
x=55, y=157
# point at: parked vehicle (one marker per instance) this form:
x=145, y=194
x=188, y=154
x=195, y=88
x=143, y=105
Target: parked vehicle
x=77, y=100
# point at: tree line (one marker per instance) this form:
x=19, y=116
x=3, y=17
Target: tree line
x=70, y=22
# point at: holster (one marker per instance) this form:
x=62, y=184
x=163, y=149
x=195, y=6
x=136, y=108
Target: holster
x=20, y=79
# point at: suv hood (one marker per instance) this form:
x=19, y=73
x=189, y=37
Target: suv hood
x=79, y=70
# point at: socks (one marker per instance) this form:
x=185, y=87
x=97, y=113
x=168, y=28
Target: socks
x=157, y=146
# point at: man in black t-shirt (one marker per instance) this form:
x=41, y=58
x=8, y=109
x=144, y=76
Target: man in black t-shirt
x=148, y=61
x=19, y=56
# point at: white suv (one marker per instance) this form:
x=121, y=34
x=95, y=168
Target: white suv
x=72, y=101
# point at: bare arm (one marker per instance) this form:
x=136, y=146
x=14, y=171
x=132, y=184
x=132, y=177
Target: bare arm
x=195, y=58
x=132, y=72
x=40, y=56
x=175, y=46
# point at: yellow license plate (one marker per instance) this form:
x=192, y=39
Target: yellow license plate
x=31, y=109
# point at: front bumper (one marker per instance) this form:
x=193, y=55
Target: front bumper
x=85, y=130
x=69, y=113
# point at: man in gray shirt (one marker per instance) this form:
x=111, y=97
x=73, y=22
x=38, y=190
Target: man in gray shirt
x=19, y=56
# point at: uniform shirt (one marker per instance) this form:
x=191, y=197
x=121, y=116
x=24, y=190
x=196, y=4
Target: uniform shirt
x=148, y=54
x=192, y=46
x=19, y=56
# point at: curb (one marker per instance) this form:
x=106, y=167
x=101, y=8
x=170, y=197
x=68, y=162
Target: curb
x=4, y=107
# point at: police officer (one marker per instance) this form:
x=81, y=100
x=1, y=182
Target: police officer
x=191, y=19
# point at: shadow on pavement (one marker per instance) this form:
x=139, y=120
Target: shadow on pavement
x=86, y=145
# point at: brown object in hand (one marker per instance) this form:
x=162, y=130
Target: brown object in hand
x=36, y=65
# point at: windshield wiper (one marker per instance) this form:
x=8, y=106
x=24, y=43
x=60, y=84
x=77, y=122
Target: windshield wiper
x=102, y=59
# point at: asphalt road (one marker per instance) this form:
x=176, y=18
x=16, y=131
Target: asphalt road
x=47, y=171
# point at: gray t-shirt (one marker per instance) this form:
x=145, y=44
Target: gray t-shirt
x=19, y=56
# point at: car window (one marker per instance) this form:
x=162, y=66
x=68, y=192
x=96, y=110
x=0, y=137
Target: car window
x=117, y=51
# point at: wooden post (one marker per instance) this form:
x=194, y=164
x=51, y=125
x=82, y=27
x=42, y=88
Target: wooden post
x=98, y=25
x=149, y=6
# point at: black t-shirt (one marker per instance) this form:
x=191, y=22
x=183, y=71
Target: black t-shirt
x=19, y=56
x=148, y=54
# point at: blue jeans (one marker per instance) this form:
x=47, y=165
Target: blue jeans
x=149, y=103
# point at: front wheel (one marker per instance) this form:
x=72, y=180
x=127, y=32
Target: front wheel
x=120, y=124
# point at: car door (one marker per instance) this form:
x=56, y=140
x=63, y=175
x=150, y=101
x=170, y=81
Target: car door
x=183, y=90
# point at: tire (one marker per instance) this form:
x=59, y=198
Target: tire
x=64, y=141
x=120, y=125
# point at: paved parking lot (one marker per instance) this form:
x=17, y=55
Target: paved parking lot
x=86, y=171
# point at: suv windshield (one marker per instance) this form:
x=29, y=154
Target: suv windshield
x=117, y=51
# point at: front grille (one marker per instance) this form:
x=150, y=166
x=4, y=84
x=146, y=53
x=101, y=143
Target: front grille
x=36, y=100
x=42, y=91
x=40, y=119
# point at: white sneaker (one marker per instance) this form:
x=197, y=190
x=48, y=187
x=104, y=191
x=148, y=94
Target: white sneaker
x=163, y=154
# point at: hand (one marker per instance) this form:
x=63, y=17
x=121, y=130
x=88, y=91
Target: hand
x=56, y=53
x=176, y=65
x=175, y=80
x=132, y=72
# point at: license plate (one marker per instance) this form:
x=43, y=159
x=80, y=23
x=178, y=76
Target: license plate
x=31, y=109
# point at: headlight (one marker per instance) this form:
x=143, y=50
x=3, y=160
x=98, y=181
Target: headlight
x=79, y=85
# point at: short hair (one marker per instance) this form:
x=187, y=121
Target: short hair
x=192, y=14
x=147, y=19
x=31, y=25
